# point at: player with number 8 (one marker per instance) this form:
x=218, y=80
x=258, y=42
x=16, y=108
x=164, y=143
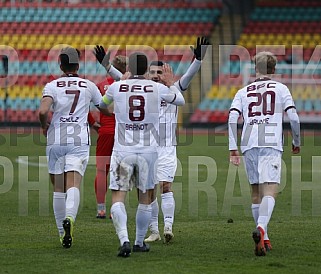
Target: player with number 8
x=134, y=158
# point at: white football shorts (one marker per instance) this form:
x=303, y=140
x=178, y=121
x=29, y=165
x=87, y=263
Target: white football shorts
x=128, y=169
x=263, y=165
x=64, y=158
x=167, y=163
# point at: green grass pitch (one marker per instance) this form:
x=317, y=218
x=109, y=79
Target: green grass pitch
x=208, y=192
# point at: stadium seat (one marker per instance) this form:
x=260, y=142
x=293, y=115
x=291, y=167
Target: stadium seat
x=34, y=29
x=274, y=23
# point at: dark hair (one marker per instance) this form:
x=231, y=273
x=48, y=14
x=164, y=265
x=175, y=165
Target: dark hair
x=137, y=63
x=69, y=59
x=156, y=63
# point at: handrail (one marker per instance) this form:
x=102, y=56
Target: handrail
x=231, y=18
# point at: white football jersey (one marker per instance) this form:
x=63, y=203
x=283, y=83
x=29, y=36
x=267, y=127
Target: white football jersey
x=137, y=112
x=71, y=96
x=167, y=124
x=169, y=112
x=262, y=105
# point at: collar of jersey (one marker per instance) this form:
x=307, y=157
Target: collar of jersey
x=137, y=77
x=262, y=79
x=70, y=75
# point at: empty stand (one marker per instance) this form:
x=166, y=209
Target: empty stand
x=33, y=29
x=291, y=30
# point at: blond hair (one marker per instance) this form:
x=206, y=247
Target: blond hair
x=120, y=62
x=265, y=62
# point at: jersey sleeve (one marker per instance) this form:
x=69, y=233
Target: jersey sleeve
x=287, y=99
x=48, y=91
x=237, y=103
x=96, y=95
x=232, y=130
x=183, y=83
x=115, y=73
x=295, y=126
x=171, y=95
x=108, y=97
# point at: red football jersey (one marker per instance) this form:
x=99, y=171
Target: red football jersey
x=107, y=122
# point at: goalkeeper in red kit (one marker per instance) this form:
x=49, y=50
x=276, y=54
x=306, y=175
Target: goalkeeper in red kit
x=105, y=141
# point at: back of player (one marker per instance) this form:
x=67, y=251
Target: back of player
x=262, y=104
x=136, y=108
x=72, y=96
x=68, y=138
x=134, y=158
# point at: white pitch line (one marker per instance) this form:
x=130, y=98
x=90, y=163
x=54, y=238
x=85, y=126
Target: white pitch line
x=37, y=164
x=30, y=163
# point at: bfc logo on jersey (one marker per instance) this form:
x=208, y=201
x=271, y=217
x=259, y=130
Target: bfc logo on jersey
x=62, y=84
x=257, y=87
x=135, y=88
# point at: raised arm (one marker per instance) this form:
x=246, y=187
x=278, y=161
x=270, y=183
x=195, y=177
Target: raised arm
x=104, y=59
x=172, y=95
x=199, y=54
x=183, y=83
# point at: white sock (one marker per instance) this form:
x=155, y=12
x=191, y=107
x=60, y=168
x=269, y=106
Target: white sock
x=265, y=212
x=153, y=224
x=143, y=215
x=255, y=213
x=59, y=208
x=119, y=217
x=72, y=202
x=168, y=208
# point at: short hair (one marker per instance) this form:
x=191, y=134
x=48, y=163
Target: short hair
x=156, y=63
x=265, y=62
x=137, y=63
x=120, y=62
x=69, y=59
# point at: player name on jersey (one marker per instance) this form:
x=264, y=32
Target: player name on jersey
x=259, y=121
x=69, y=119
x=136, y=126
